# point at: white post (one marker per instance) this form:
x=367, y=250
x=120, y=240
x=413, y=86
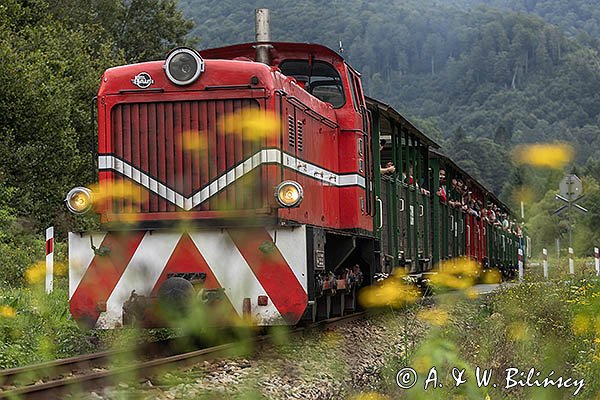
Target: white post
x=545, y=257
x=520, y=265
x=522, y=211
x=49, y=259
x=597, y=260
x=571, y=262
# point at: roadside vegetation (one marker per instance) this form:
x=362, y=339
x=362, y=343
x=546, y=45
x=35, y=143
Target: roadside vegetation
x=549, y=326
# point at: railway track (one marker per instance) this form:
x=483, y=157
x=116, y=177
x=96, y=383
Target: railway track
x=59, y=378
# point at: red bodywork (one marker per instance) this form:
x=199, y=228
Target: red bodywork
x=145, y=136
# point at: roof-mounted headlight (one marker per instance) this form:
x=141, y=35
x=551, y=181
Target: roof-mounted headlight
x=183, y=66
x=79, y=200
x=289, y=193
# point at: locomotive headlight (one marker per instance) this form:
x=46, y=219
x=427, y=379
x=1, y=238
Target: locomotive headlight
x=289, y=193
x=183, y=66
x=79, y=200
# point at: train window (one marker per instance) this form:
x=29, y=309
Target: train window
x=352, y=90
x=322, y=79
x=357, y=89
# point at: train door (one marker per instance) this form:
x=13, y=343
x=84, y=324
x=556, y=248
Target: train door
x=443, y=231
x=402, y=222
x=364, y=159
x=420, y=226
x=385, y=224
x=462, y=233
x=468, y=231
x=408, y=215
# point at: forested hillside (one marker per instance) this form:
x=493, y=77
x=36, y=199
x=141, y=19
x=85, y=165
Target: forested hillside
x=580, y=18
x=474, y=74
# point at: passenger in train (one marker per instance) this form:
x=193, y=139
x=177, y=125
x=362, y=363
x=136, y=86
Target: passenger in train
x=453, y=194
x=389, y=167
x=484, y=213
x=441, y=192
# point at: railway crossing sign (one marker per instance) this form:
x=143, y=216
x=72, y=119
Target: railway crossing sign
x=566, y=206
x=570, y=187
x=571, y=190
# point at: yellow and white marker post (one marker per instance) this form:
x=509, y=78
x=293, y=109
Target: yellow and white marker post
x=545, y=262
x=571, y=262
x=597, y=260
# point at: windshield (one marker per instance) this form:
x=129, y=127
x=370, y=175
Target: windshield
x=320, y=79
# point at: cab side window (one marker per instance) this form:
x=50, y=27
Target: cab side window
x=357, y=93
x=353, y=91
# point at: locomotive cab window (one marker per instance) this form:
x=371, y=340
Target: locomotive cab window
x=320, y=79
x=355, y=88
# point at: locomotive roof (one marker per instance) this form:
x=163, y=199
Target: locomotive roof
x=392, y=113
x=248, y=50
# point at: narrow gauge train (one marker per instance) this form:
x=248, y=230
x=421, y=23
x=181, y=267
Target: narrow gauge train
x=275, y=227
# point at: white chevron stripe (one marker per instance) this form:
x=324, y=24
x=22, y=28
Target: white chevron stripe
x=145, y=267
x=234, y=274
x=265, y=156
x=291, y=243
x=81, y=256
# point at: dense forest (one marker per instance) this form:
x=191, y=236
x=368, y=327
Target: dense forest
x=479, y=76
x=579, y=18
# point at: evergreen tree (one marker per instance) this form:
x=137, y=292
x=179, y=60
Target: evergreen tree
x=502, y=136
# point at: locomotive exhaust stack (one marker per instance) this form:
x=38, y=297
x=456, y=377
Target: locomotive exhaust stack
x=263, y=36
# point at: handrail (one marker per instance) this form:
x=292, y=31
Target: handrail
x=380, y=212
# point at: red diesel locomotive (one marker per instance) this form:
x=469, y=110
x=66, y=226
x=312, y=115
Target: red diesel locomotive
x=243, y=178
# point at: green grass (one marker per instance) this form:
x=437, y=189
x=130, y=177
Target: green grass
x=36, y=327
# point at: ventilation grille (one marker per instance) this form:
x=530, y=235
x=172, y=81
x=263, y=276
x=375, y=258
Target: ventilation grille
x=299, y=135
x=184, y=146
x=291, y=132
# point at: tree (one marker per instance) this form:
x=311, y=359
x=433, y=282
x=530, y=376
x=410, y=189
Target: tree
x=143, y=30
x=147, y=29
x=459, y=135
x=502, y=135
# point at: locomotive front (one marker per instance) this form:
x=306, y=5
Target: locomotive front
x=190, y=193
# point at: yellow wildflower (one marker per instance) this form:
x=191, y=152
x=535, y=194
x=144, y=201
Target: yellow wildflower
x=544, y=155
x=36, y=273
x=580, y=324
x=434, y=316
x=371, y=396
x=7, y=312
x=518, y=331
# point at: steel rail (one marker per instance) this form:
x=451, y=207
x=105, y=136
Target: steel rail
x=38, y=371
x=85, y=382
